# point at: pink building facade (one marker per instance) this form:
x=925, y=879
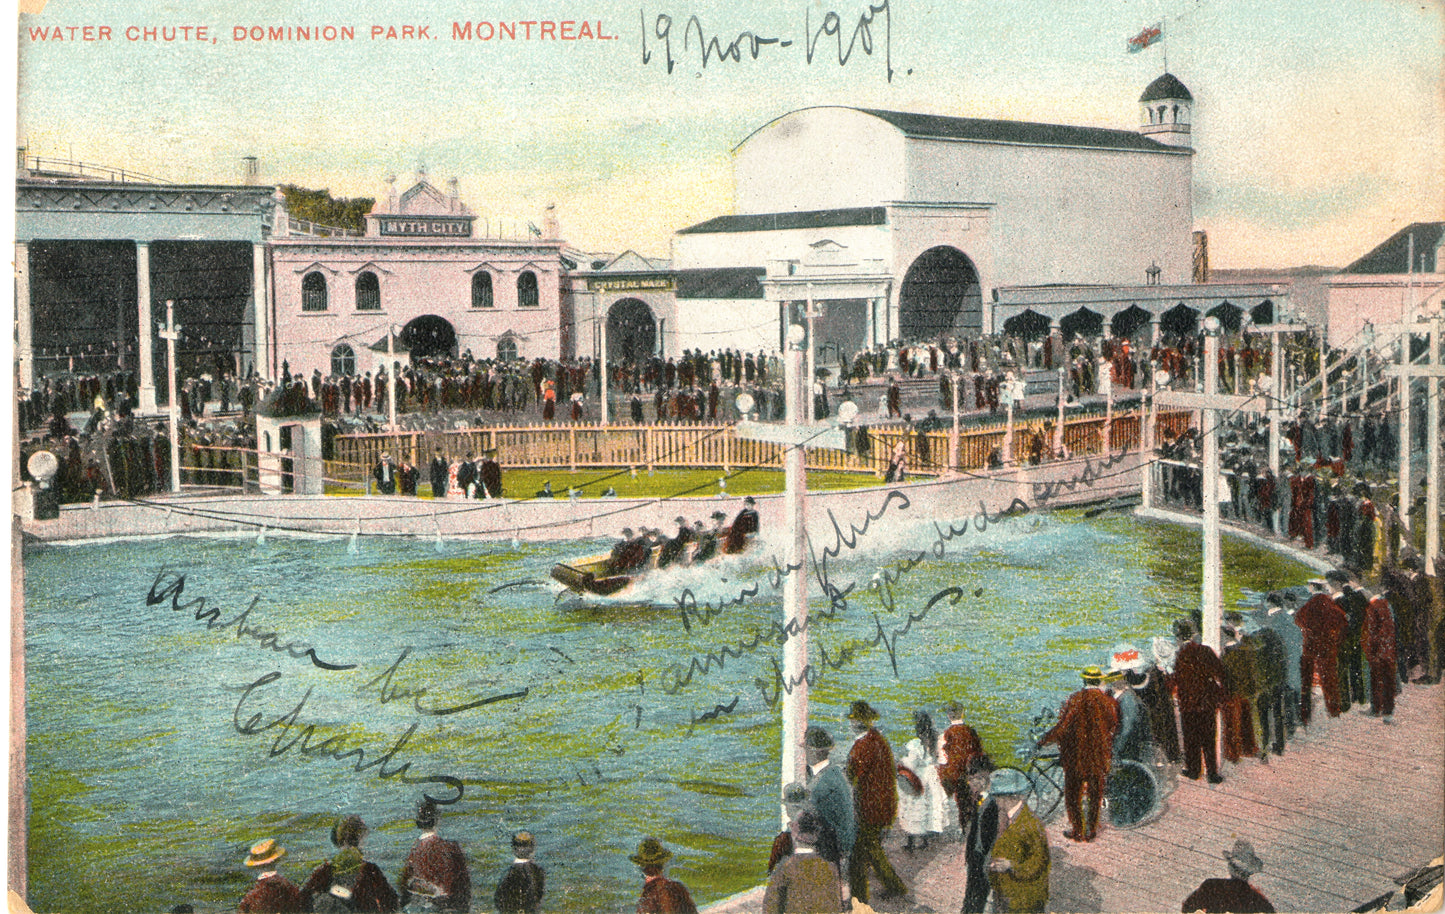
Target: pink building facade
x=419, y=270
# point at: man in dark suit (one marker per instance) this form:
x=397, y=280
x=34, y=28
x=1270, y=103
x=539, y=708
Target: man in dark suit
x=1235, y=893
x=673, y=549
x=385, y=475
x=828, y=790
x=435, y=868
x=874, y=776
x=743, y=526
x=1200, y=684
x=979, y=837
x=660, y=895
x=438, y=468
x=1085, y=736
x=520, y=891
x=491, y=472
x=466, y=475
x=1352, y=674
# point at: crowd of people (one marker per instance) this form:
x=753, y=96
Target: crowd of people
x=1157, y=708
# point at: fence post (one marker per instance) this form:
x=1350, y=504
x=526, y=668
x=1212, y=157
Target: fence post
x=572, y=447
x=647, y=447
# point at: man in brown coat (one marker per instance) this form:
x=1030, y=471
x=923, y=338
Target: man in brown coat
x=1324, y=624
x=874, y=776
x=1200, y=684
x=272, y=893
x=660, y=895
x=960, y=746
x=1085, y=736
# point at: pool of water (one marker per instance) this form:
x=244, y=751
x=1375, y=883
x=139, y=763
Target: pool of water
x=166, y=735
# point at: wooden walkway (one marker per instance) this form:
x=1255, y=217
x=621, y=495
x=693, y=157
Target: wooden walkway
x=1352, y=803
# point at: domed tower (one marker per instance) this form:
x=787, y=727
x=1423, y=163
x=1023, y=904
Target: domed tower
x=1165, y=111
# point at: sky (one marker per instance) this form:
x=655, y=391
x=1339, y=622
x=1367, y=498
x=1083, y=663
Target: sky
x=1318, y=124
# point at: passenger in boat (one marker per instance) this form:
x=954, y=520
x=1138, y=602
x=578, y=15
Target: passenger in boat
x=743, y=525
x=628, y=555
x=707, y=540
x=673, y=549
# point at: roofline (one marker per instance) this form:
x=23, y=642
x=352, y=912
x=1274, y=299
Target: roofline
x=1163, y=148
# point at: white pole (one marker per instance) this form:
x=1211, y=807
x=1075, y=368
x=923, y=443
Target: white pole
x=391, y=374
x=603, y=368
x=1211, y=591
x=1324, y=379
x=812, y=376
x=1146, y=444
x=1059, y=426
x=1432, y=490
x=795, y=593
x=1276, y=411
x=953, y=439
x=170, y=337
x=1405, y=435
x=1008, y=434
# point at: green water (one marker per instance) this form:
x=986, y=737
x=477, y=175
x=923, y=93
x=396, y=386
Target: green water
x=145, y=792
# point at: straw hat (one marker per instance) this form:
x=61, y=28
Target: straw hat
x=264, y=852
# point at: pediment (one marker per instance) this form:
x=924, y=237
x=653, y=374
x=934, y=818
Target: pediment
x=317, y=265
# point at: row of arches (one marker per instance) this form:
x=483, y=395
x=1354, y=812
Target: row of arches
x=1181, y=320
x=315, y=291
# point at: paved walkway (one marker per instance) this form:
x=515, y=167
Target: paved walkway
x=1351, y=804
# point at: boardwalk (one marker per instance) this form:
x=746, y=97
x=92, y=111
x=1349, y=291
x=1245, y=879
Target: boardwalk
x=1352, y=803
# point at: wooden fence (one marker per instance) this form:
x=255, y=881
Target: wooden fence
x=718, y=446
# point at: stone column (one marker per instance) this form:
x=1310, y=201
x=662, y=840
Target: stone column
x=1154, y=331
x=24, y=350
x=145, y=326
x=1056, y=334
x=262, y=337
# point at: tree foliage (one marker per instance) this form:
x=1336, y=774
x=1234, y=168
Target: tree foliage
x=320, y=207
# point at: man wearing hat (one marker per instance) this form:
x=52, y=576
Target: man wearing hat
x=1201, y=684
x=980, y=835
x=1085, y=736
x=272, y=893
x=348, y=881
x=385, y=475
x=660, y=895
x=1234, y=894
x=673, y=549
x=803, y=882
x=435, y=869
x=744, y=525
x=491, y=474
x=828, y=790
x=1018, y=867
x=1324, y=624
x=1378, y=644
x=874, y=776
x=960, y=746
x=796, y=802
x=521, y=887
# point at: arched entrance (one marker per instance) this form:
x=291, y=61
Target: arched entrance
x=429, y=336
x=1180, y=320
x=1129, y=321
x=1083, y=322
x=631, y=331
x=940, y=296
x=1029, y=325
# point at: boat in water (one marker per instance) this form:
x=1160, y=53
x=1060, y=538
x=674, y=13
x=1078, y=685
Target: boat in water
x=598, y=575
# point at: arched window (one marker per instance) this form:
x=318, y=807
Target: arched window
x=343, y=360
x=313, y=292
x=482, y=289
x=506, y=349
x=1162, y=109
x=1176, y=114
x=1150, y=111
x=527, y=290
x=368, y=292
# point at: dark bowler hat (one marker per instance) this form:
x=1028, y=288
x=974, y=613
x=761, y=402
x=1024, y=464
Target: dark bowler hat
x=817, y=738
x=651, y=853
x=1243, y=857
x=862, y=712
x=523, y=839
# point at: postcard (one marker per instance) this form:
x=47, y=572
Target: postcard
x=782, y=455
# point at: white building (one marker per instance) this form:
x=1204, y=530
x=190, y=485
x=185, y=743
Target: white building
x=906, y=224
x=1403, y=276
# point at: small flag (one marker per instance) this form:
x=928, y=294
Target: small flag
x=1149, y=35
x=532, y=227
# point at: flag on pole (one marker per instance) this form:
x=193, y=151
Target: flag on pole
x=1149, y=35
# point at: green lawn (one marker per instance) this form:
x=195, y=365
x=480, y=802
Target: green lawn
x=663, y=483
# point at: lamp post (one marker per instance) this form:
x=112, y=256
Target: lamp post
x=795, y=591
x=391, y=379
x=171, y=334
x=1211, y=591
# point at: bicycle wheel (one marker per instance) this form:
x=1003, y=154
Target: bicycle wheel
x=1132, y=794
x=1047, y=793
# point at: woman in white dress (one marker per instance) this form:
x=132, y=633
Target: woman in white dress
x=921, y=809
